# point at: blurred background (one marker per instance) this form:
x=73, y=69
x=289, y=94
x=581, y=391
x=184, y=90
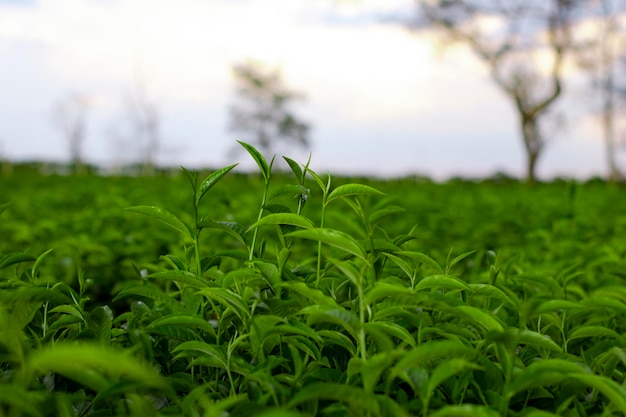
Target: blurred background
x=389, y=88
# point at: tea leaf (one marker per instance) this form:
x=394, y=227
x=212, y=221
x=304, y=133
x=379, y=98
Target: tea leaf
x=332, y=237
x=92, y=365
x=37, y=264
x=532, y=338
x=613, y=391
x=295, y=168
x=420, y=356
x=234, y=229
x=542, y=373
x=69, y=309
x=258, y=158
x=164, y=217
x=183, y=277
x=391, y=329
x=459, y=259
x=554, y=305
x=356, y=398
x=491, y=291
x=481, y=317
x=593, y=331
x=424, y=259
x=447, y=369
x=15, y=258
x=351, y=189
x=441, y=281
x=464, y=410
x=211, y=180
x=283, y=218
x=184, y=320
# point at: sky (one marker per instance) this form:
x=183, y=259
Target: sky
x=381, y=99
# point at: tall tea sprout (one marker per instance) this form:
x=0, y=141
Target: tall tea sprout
x=171, y=220
x=266, y=170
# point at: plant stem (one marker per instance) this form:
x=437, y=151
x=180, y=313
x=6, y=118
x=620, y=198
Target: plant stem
x=261, y=211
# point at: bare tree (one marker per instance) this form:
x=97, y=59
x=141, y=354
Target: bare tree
x=602, y=53
x=69, y=115
x=262, y=111
x=140, y=128
x=524, y=44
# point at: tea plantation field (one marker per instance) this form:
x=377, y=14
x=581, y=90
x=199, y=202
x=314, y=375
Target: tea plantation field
x=289, y=294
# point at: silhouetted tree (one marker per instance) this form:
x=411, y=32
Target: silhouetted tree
x=602, y=53
x=141, y=127
x=69, y=115
x=524, y=43
x=262, y=111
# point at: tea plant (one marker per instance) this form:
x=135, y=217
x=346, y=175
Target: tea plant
x=319, y=302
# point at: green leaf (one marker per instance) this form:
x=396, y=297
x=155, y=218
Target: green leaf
x=424, y=259
x=164, y=217
x=334, y=337
x=447, y=369
x=287, y=190
x=325, y=314
x=37, y=264
x=15, y=258
x=441, y=281
x=324, y=185
x=283, y=218
x=380, y=214
x=234, y=229
x=211, y=180
x=554, y=305
x=295, y=168
x=372, y=368
x=91, y=365
x=258, y=158
x=391, y=329
x=183, y=320
x=459, y=259
x=356, y=398
x=593, y=331
x=491, y=291
x=228, y=299
x=153, y=293
x=68, y=309
x=316, y=297
x=101, y=322
x=183, y=277
x=384, y=290
x=481, y=317
x=542, y=373
x=420, y=356
x=532, y=338
x=332, y=237
x=613, y=391
x=192, y=177
x=351, y=189
x=465, y=410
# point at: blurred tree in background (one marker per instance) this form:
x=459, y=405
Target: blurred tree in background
x=603, y=54
x=69, y=115
x=139, y=129
x=524, y=44
x=262, y=113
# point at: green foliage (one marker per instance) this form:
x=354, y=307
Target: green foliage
x=337, y=307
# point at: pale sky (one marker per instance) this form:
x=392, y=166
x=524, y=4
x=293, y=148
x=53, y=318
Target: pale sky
x=381, y=99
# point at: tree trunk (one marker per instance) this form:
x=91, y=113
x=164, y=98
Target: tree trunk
x=614, y=174
x=533, y=143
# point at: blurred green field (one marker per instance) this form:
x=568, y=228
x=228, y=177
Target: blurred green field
x=461, y=298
